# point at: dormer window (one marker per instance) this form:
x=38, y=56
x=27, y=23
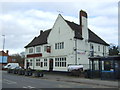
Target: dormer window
x=30, y=50
x=38, y=49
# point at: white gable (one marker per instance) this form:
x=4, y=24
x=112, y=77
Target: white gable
x=60, y=30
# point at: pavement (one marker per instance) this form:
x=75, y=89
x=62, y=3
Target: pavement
x=82, y=80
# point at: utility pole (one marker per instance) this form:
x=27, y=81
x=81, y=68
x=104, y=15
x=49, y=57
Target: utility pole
x=3, y=47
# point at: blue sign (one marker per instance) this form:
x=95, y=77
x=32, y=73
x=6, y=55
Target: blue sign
x=3, y=59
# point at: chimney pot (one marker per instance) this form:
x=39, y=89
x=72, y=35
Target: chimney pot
x=7, y=51
x=41, y=31
x=83, y=13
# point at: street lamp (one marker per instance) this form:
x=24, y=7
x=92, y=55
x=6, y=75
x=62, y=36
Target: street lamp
x=3, y=42
x=3, y=47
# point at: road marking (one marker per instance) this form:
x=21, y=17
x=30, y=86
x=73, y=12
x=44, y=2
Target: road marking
x=24, y=87
x=8, y=81
x=30, y=87
x=63, y=86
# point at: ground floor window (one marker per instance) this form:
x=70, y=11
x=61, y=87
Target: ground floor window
x=60, y=62
x=37, y=62
x=30, y=64
x=45, y=62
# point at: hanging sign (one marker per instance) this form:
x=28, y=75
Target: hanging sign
x=81, y=52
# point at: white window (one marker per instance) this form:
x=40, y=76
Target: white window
x=60, y=62
x=63, y=62
x=45, y=62
x=98, y=48
x=30, y=62
x=59, y=45
x=56, y=62
x=55, y=45
x=30, y=50
x=104, y=50
x=91, y=47
x=45, y=48
x=37, y=62
x=62, y=45
x=38, y=49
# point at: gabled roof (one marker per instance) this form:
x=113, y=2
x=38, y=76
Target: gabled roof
x=40, y=40
x=94, y=38
x=78, y=33
x=76, y=28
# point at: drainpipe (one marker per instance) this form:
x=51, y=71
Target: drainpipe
x=75, y=51
x=34, y=58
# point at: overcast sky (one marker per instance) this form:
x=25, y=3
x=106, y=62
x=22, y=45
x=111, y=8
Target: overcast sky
x=21, y=21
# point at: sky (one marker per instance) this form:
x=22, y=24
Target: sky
x=21, y=21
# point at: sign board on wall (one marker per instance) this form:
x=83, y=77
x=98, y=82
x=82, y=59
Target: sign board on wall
x=81, y=52
x=3, y=59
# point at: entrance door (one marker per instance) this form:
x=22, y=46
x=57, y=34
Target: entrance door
x=51, y=65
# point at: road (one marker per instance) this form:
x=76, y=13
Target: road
x=17, y=81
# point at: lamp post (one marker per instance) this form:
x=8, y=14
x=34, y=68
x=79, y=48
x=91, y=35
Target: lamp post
x=3, y=47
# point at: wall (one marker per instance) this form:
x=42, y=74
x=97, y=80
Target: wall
x=61, y=32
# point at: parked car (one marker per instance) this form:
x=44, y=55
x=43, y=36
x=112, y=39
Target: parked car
x=75, y=67
x=75, y=70
x=12, y=66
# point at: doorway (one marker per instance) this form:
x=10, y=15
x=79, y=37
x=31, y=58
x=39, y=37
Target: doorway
x=51, y=64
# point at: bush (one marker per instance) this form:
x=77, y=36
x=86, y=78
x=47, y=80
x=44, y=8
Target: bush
x=15, y=71
x=77, y=72
x=87, y=73
x=28, y=72
x=21, y=72
x=9, y=70
x=38, y=73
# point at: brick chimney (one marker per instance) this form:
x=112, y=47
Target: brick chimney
x=41, y=31
x=7, y=51
x=84, y=24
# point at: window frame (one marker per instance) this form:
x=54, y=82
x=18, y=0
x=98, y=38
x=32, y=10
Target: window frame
x=37, y=62
x=45, y=63
x=37, y=49
x=31, y=62
x=29, y=50
x=99, y=48
x=59, y=45
x=60, y=62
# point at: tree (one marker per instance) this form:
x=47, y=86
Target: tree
x=113, y=50
x=18, y=58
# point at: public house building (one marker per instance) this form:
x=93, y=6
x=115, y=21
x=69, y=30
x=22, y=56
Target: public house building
x=66, y=43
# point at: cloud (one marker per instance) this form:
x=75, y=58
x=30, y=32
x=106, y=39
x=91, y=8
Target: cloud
x=20, y=29
x=21, y=22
